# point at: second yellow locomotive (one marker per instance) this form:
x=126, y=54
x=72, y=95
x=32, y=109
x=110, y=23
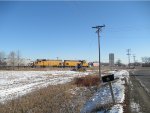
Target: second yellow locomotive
x=74, y=63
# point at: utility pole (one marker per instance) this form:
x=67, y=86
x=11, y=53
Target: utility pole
x=128, y=53
x=98, y=30
x=18, y=58
x=134, y=59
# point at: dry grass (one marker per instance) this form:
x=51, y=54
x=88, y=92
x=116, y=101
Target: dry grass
x=53, y=99
x=87, y=81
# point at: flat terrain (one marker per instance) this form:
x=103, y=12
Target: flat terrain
x=59, y=92
x=140, y=98
x=18, y=83
x=45, y=91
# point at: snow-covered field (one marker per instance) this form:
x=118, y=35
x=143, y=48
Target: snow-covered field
x=103, y=95
x=17, y=83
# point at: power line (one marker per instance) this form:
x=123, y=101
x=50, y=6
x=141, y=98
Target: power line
x=129, y=54
x=98, y=30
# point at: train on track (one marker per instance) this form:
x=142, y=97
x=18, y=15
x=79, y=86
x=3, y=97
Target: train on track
x=59, y=63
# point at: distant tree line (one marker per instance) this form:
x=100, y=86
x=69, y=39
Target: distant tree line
x=13, y=59
x=146, y=61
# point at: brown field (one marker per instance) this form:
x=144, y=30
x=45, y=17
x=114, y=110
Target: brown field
x=66, y=98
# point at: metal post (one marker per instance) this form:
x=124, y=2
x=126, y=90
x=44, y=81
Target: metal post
x=112, y=94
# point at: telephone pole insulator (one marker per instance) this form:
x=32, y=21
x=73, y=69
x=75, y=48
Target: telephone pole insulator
x=98, y=30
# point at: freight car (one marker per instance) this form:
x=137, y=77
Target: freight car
x=48, y=63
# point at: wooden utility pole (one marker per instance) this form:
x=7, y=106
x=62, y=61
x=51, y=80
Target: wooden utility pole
x=134, y=59
x=98, y=30
x=128, y=53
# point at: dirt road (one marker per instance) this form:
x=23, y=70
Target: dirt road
x=139, y=95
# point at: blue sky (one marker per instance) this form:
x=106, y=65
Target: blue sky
x=63, y=29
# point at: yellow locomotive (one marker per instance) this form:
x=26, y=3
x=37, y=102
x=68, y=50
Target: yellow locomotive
x=59, y=63
x=48, y=63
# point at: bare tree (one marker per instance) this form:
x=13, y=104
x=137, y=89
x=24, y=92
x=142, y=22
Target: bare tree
x=12, y=59
x=2, y=59
x=18, y=58
x=146, y=59
x=118, y=62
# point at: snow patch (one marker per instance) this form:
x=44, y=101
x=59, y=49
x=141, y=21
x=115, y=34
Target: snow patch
x=103, y=95
x=135, y=107
x=17, y=83
x=116, y=109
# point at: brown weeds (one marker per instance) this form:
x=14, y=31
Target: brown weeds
x=87, y=81
x=53, y=99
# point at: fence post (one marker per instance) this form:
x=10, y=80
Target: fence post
x=112, y=94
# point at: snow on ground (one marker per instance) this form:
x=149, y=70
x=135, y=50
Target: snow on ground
x=103, y=95
x=115, y=109
x=120, y=74
x=135, y=107
x=17, y=83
